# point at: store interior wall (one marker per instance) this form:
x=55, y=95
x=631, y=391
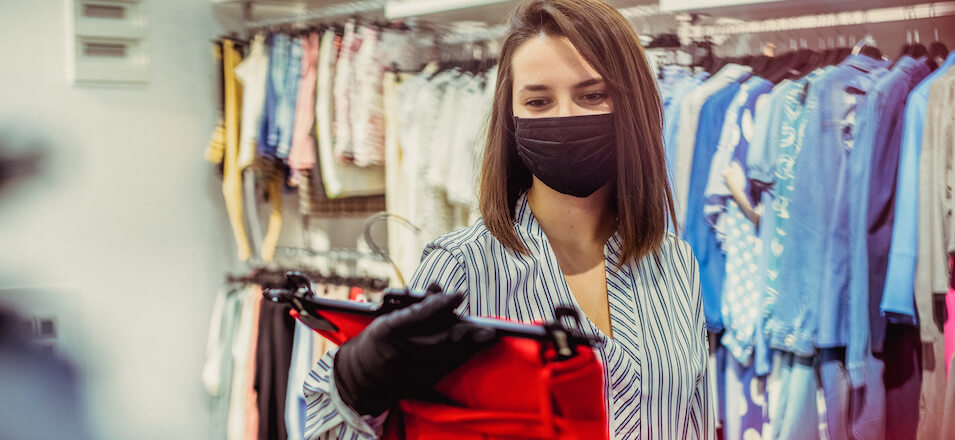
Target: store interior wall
x=122, y=237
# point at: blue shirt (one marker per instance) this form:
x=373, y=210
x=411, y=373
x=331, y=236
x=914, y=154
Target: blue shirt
x=278, y=58
x=872, y=165
x=285, y=114
x=697, y=231
x=734, y=143
x=764, y=147
x=655, y=366
x=782, y=308
x=846, y=96
x=899, y=294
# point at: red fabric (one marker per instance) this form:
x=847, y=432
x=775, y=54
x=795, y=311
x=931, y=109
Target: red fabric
x=509, y=392
x=506, y=392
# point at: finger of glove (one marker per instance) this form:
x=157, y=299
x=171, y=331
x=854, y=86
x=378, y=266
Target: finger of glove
x=455, y=348
x=434, y=313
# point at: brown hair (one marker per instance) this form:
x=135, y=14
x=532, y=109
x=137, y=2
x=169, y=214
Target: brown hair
x=607, y=41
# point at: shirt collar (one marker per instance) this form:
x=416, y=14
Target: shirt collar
x=864, y=63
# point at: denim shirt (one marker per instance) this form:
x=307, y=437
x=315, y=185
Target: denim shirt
x=764, y=147
x=847, y=99
x=786, y=322
x=806, y=269
x=899, y=294
x=872, y=163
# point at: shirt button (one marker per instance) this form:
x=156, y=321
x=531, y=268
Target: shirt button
x=790, y=340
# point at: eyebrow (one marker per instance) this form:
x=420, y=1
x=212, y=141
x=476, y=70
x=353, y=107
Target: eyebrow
x=544, y=87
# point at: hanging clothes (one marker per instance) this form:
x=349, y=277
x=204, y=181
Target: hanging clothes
x=366, y=100
x=302, y=154
x=217, y=371
x=331, y=107
x=253, y=74
x=231, y=172
x=900, y=295
x=935, y=238
x=241, y=420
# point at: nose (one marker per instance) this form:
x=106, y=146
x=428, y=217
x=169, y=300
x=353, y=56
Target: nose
x=567, y=107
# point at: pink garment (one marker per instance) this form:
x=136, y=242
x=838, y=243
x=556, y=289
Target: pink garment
x=252, y=399
x=302, y=154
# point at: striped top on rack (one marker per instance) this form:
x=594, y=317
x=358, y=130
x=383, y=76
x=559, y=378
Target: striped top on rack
x=655, y=366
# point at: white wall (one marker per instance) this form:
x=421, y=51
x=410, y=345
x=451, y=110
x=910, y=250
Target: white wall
x=124, y=233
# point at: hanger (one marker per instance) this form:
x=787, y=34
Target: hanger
x=937, y=51
x=366, y=235
x=867, y=46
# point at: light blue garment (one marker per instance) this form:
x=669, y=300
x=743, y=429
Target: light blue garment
x=845, y=100
x=801, y=99
x=698, y=233
x=835, y=387
x=899, y=295
x=285, y=116
x=764, y=147
x=671, y=116
x=734, y=142
x=797, y=415
x=880, y=212
x=278, y=64
x=670, y=77
x=875, y=123
x=762, y=354
x=809, y=318
x=298, y=371
x=740, y=300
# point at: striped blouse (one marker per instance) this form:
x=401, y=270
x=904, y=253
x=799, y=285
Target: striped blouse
x=655, y=366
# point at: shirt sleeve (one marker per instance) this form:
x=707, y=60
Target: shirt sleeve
x=703, y=406
x=701, y=415
x=327, y=416
x=442, y=267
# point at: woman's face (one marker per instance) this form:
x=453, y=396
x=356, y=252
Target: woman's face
x=552, y=79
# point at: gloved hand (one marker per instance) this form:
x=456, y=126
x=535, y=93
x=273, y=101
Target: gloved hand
x=405, y=353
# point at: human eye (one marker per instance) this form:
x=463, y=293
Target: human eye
x=537, y=103
x=594, y=97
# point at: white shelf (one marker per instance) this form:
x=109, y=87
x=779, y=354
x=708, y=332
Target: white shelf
x=437, y=11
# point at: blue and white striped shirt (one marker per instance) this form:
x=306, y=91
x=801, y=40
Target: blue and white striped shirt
x=655, y=366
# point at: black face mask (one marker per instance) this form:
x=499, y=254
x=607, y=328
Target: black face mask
x=574, y=155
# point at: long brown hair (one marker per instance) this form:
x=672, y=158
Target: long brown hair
x=607, y=41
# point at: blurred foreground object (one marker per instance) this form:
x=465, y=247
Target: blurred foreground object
x=40, y=398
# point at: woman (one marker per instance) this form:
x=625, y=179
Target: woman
x=576, y=208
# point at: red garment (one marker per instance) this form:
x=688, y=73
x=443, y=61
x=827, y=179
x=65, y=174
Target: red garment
x=508, y=392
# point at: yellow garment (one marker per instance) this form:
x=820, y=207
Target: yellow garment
x=232, y=175
x=216, y=148
x=271, y=240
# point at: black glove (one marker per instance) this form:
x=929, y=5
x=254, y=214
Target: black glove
x=405, y=353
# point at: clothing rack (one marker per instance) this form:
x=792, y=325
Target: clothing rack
x=340, y=254
x=815, y=21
